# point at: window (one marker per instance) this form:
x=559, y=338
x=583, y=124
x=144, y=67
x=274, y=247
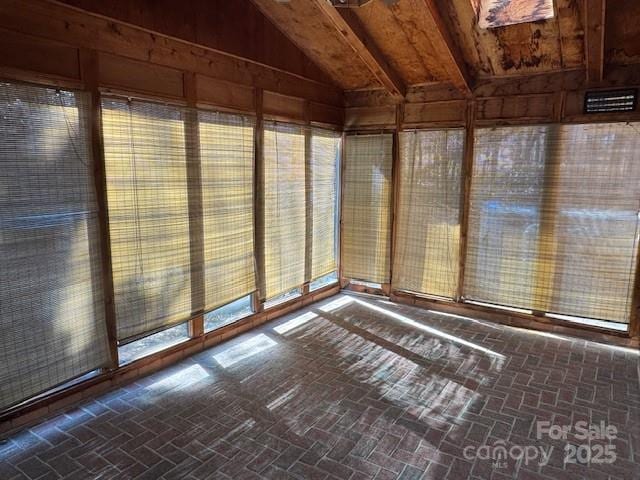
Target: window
x=227, y=314
x=427, y=253
x=283, y=297
x=52, y=324
x=367, y=207
x=148, y=203
x=226, y=158
x=324, y=168
x=284, y=208
x=300, y=207
x=328, y=279
x=553, y=224
x=154, y=343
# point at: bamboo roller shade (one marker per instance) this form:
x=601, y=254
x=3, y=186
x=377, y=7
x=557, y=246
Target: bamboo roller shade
x=366, y=207
x=428, y=225
x=553, y=221
x=295, y=216
x=148, y=159
x=52, y=321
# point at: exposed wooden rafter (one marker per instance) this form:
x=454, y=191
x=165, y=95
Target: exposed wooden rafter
x=350, y=28
x=594, y=40
x=448, y=48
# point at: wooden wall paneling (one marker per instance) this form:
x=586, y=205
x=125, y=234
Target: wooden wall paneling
x=435, y=114
x=222, y=25
x=370, y=117
x=136, y=76
x=515, y=109
x=74, y=27
x=26, y=52
x=258, y=206
x=89, y=64
x=218, y=93
x=277, y=106
x=196, y=221
x=531, y=84
x=465, y=197
x=369, y=98
x=326, y=114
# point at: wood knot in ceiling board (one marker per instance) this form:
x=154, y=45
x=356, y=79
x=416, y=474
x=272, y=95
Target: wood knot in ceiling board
x=114, y=28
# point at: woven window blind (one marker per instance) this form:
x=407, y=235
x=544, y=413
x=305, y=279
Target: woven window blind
x=366, y=207
x=325, y=161
x=553, y=223
x=147, y=197
x=226, y=158
x=284, y=207
x=428, y=225
x=594, y=203
x=504, y=215
x=52, y=326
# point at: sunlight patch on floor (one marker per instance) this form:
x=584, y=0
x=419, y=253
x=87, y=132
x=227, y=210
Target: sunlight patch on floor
x=183, y=378
x=244, y=350
x=294, y=323
x=425, y=328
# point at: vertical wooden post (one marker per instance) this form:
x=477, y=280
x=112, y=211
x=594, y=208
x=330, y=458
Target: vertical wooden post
x=196, y=224
x=258, y=297
x=90, y=74
x=465, y=195
x=395, y=192
x=308, y=189
x=343, y=282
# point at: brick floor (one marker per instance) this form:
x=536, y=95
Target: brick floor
x=351, y=388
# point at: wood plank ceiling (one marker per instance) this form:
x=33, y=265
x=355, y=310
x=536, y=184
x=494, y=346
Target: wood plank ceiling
x=417, y=42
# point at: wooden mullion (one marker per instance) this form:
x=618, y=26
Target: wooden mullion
x=465, y=194
x=196, y=223
x=89, y=67
x=258, y=204
x=395, y=193
x=308, y=188
x=343, y=282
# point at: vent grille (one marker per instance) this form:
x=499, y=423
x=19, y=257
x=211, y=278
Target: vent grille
x=611, y=101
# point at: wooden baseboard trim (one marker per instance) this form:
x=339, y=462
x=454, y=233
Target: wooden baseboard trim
x=520, y=320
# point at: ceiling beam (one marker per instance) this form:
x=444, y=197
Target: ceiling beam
x=447, y=47
x=594, y=40
x=350, y=28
